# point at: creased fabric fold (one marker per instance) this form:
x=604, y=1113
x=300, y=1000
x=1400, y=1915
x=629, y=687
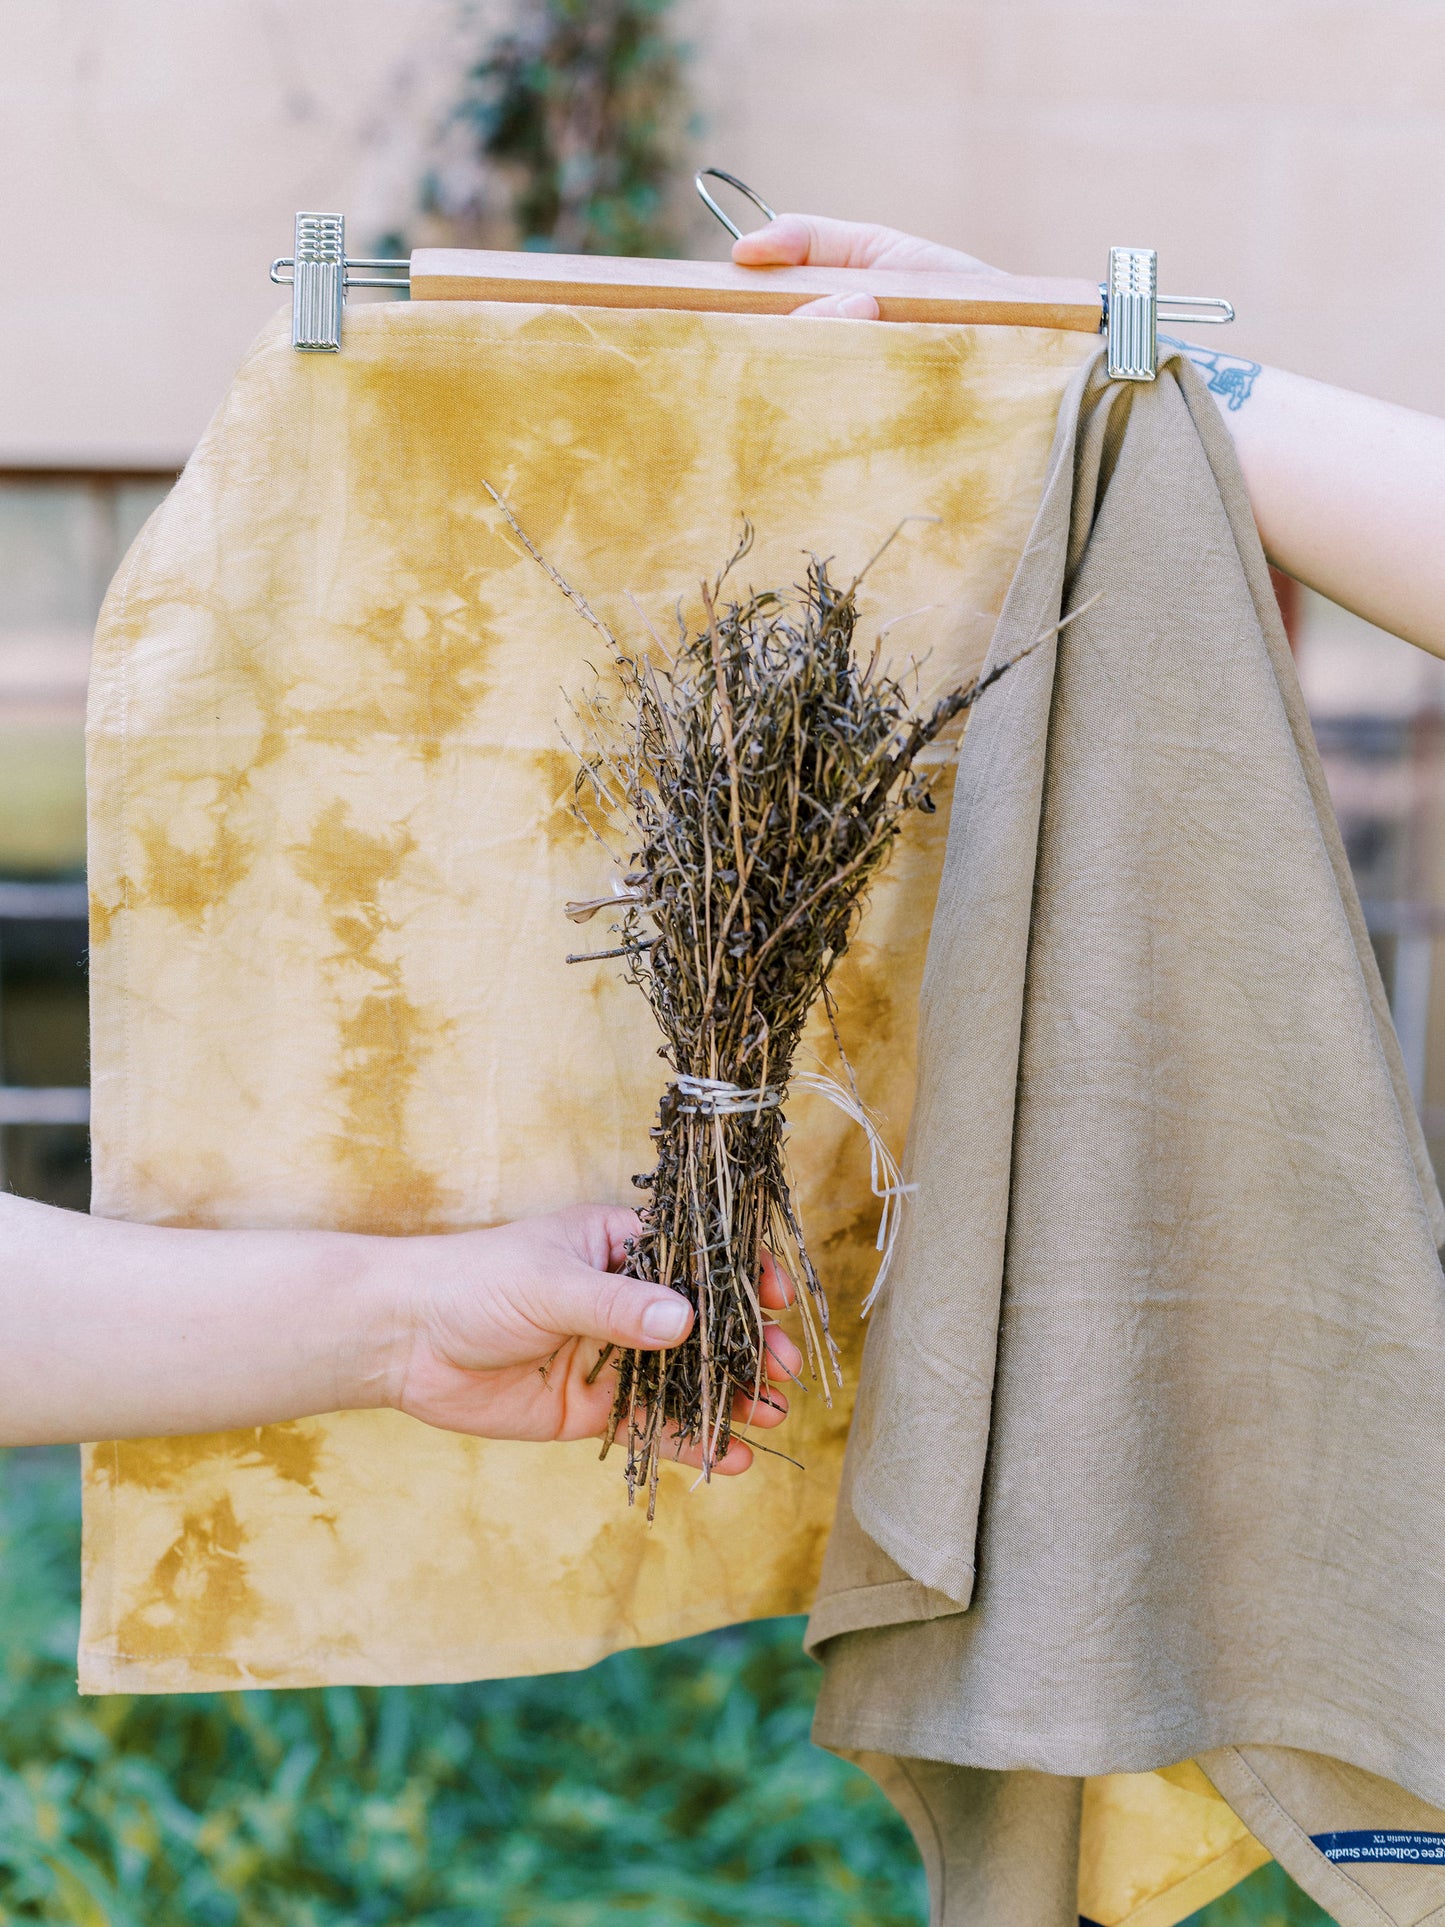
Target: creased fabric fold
x=1157, y=1388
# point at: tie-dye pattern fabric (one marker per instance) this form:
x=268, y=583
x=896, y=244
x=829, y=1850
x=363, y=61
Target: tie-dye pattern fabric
x=330, y=845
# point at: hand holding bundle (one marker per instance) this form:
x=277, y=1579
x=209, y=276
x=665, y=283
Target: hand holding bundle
x=756, y=777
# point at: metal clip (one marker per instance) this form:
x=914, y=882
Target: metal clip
x=1133, y=309
x=321, y=273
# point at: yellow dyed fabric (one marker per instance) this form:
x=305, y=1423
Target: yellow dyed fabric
x=1156, y=1847
x=329, y=847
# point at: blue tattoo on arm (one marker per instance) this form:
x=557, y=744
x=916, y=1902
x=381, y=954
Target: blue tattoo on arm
x=1228, y=375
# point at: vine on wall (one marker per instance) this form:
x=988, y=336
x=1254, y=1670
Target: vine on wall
x=568, y=133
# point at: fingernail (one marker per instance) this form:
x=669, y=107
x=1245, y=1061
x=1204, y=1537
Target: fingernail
x=665, y=1320
x=859, y=307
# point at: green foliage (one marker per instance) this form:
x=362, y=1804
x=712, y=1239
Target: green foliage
x=578, y=109
x=1268, y=1898
x=670, y=1788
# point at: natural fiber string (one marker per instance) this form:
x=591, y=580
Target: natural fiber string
x=885, y=1172
x=715, y=1097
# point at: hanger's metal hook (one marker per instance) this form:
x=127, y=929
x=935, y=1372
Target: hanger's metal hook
x=742, y=187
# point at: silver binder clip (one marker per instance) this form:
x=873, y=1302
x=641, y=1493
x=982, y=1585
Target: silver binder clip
x=321, y=271
x=1133, y=309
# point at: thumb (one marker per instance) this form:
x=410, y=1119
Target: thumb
x=616, y=1310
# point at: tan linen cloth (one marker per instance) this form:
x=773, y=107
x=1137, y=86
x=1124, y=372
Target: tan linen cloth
x=330, y=849
x=1156, y=1390
x=1121, y=1849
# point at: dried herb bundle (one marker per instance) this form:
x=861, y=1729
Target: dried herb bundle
x=758, y=777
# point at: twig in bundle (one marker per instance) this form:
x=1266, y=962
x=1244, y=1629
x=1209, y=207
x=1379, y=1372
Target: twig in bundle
x=759, y=779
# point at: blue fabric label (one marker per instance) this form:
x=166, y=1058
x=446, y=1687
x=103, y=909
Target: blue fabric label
x=1383, y=1843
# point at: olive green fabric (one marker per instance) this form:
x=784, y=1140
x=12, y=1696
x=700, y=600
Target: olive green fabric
x=1149, y=1449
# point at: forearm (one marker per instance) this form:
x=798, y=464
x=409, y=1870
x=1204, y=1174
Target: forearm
x=1348, y=492
x=112, y=1330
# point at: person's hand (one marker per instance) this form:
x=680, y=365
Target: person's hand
x=504, y=1326
x=815, y=241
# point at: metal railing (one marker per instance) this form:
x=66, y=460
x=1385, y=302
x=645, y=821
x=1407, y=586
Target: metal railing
x=1415, y=928
x=49, y=902
x=1412, y=926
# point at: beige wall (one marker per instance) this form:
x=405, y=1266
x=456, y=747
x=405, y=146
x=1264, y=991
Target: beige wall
x=152, y=153
x=1289, y=153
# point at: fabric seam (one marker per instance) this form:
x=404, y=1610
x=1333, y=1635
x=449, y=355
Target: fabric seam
x=124, y=906
x=369, y=348
x=1298, y=1834
x=942, y=1858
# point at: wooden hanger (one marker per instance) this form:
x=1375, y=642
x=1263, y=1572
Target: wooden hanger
x=1126, y=308
x=720, y=287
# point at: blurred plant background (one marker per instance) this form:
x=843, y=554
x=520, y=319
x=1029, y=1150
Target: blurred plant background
x=675, y=1787
x=566, y=135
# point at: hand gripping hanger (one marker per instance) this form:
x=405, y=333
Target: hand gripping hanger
x=1126, y=308
x=1132, y=306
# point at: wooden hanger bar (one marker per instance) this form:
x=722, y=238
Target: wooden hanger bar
x=715, y=287
x=1127, y=309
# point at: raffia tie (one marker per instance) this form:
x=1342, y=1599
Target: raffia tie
x=714, y=1097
